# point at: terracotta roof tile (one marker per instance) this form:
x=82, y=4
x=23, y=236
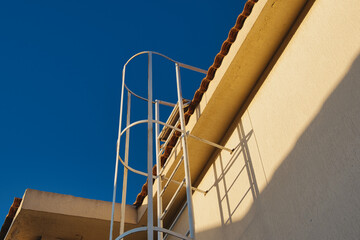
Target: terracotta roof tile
x=202, y=89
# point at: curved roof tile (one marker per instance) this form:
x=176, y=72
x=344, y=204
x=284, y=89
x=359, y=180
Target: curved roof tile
x=202, y=89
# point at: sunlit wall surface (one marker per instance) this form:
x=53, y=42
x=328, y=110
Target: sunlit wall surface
x=295, y=171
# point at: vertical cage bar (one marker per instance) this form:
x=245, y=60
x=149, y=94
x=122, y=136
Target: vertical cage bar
x=150, y=224
x=125, y=178
x=117, y=155
x=158, y=168
x=185, y=154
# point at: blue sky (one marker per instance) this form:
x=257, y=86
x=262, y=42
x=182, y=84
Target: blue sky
x=60, y=81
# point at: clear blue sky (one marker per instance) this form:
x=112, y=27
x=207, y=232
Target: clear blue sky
x=60, y=79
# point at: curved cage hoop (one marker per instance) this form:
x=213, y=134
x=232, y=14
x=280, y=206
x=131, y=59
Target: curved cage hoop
x=153, y=119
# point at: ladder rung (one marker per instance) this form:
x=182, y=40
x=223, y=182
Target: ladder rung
x=161, y=150
x=172, y=200
x=171, y=176
x=176, y=219
x=163, y=168
x=170, y=134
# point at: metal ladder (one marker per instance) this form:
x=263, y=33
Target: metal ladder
x=151, y=121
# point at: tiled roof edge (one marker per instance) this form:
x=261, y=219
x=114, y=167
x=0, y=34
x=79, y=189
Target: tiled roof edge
x=202, y=89
x=9, y=218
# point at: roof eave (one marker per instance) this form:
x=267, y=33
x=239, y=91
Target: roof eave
x=239, y=71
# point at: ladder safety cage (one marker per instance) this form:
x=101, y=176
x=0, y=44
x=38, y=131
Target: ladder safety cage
x=154, y=119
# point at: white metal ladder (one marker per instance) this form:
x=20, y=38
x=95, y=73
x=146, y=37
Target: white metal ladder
x=186, y=182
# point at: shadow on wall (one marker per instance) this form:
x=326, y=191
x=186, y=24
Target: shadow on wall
x=315, y=192
x=240, y=159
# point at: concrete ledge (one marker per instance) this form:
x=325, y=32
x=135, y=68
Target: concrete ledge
x=74, y=206
x=45, y=215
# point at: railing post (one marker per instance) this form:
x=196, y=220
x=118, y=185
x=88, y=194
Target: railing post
x=150, y=224
x=158, y=168
x=151, y=229
x=117, y=155
x=185, y=154
x=124, y=190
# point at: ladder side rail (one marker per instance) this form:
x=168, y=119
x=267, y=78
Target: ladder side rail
x=150, y=220
x=176, y=219
x=159, y=180
x=117, y=154
x=185, y=154
x=150, y=121
x=125, y=177
x=172, y=199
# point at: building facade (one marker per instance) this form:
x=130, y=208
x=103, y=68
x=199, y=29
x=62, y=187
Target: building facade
x=285, y=97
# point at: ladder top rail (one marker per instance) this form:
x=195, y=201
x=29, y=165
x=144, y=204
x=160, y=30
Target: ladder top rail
x=166, y=57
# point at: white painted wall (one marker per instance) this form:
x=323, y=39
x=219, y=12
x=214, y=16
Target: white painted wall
x=296, y=172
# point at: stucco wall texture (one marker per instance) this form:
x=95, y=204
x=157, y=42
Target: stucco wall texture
x=296, y=171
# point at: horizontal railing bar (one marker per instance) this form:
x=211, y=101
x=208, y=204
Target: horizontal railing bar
x=192, y=68
x=166, y=103
x=211, y=143
x=169, y=126
x=193, y=188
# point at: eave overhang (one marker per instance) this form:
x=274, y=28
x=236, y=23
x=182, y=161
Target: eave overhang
x=58, y=216
x=249, y=56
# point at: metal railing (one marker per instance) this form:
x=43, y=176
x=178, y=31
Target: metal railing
x=155, y=120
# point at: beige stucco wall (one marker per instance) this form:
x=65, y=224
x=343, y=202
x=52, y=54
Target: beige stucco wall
x=50, y=216
x=296, y=171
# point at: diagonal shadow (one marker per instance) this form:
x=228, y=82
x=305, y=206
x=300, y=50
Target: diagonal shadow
x=314, y=193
